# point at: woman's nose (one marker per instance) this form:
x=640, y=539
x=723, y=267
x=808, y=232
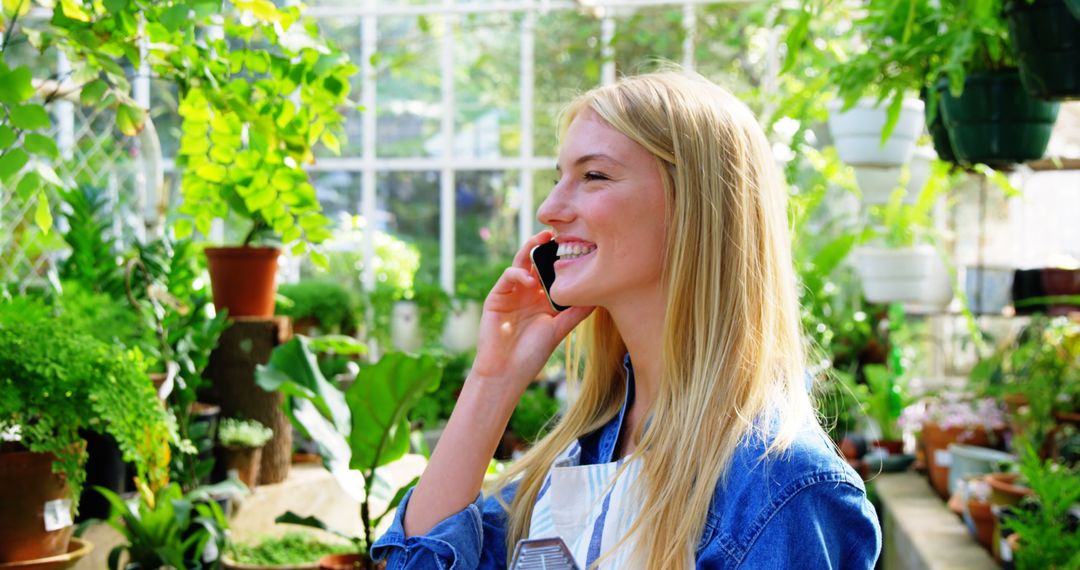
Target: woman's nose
x=555, y=208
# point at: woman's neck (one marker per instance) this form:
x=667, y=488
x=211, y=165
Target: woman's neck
x=641, y=326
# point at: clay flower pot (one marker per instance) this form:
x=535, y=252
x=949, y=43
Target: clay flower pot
x=244, y=462
x=1005, y=491
x=32, y=500
x=243, y=279
x=983, y=520
x=938, y=458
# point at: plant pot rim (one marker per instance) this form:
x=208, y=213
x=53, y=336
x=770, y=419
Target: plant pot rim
x=77, y=549
x=232, y=564
x=1004, y=482
x=910, y=103
x=242, y=251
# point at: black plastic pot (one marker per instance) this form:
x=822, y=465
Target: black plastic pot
x=995, y=121
x=938, y=132
x=104, y=468
x=1046, y=40
x=1027, y=284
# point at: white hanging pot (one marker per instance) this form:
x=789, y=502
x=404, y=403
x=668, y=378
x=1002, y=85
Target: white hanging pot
x=919, y=169
x=988, y=289
x=462, y=326
x=938, y=292
x=877, y=183
x=895, y=275
x=857, y=132
x=405, y=326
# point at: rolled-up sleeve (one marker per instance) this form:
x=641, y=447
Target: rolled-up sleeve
x=473, y=538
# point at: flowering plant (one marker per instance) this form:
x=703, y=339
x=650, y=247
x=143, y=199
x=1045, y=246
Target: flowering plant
x=953, y=409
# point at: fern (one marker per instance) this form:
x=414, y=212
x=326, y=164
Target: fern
x=93, y=262
x=1049, y=539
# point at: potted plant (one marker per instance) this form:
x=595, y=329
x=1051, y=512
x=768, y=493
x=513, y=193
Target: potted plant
x=241, y=448
x=1047, y=528
x=358, y=431
x=290, y=551
x=901, y=266
x=254, y=103
x=319, y=306
x=1044, y=39
x=953, y=418
x=56, y=381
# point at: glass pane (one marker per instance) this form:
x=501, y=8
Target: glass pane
x=485, y=232
x=339, y=192
x=345, y=32
x=567, y=63
x=163, y=105
x=486, y=86
x=408, y=208
x=409, y=99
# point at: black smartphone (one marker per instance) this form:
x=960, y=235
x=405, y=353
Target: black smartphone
x=544, y=257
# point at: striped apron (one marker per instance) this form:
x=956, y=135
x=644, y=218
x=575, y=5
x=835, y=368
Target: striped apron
x=578, y=504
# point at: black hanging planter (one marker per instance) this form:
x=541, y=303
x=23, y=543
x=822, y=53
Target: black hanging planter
x=936, y=126
x=1046, y=40
x=995, y=121
x=1074, y=7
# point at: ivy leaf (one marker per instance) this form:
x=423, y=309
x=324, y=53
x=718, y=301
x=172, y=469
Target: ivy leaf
x=73, y=9
x=90, y=94
x=29, y=117
x=175, y=16
x=40, y=145
x=42, y=216
x=130, y=119
x=12, y=162
x=16, y=85
x=7, y=136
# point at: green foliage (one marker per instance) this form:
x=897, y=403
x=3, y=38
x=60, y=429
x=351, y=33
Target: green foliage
x=167, y=529
x=55, y=380
x=434, y=304
x=94, y=262
x=533, y=413
x=435, y=407
x=108, y=319
x=254, y=104
x=361, y=429
x=1049, y=538
x=291, y=548
x=330, y=303
x=233, y=432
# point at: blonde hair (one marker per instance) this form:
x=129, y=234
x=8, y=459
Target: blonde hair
x=732, y=351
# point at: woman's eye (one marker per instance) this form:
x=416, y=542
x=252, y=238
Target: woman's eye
x=593, y=175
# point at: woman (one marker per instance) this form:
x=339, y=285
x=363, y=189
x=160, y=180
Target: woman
x=692, y=439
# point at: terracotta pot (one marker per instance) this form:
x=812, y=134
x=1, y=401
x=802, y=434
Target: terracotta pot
x=1004, y=490
x=230, y=564
x=1061, y=282
x=27, y=483
x=984, y=522
x=304, y=325
x=893, y=446
x=76, y=550
x=936, y=441
x=243, y=279
x=348, y=562
x=244, y=461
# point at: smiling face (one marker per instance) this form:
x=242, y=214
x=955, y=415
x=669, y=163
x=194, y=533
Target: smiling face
x=608, y=213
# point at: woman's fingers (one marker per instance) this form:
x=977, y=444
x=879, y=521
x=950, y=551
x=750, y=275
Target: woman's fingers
x=513, y=277
x=522, y=258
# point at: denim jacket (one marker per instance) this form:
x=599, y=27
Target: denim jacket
x=804, y=508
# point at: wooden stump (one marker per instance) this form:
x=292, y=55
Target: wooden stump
x=244, y=345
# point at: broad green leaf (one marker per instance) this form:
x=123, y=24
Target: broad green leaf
x=175, y=16
x=116, y=5
x=40, y=145
x=260, y=198
x=29, y=117
x=319, y=259
x=331, y=142
x=73, y=9
x=11, y=162
x=381, y=397
x=16, y=85
x=211, y=172
x=30, y=183
x=130, y=119
x=48, y=174
x=262, y=9
x=7, y=136
x=42, y=216
x=294, y=369
x=339, y=344
x=91, y=93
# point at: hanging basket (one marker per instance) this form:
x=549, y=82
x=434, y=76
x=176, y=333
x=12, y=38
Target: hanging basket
x=895, y=275
x=1047, y=43
x=995, y=121
x=856, y=133
x=938, y=133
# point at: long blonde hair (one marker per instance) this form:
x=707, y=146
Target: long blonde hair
x=732, y=351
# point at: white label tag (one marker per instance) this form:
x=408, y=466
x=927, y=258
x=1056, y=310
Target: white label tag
x=57, y=514
x=943, y=458
x=1004, y=551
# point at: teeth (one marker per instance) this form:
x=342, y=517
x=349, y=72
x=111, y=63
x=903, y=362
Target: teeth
x=570, y=251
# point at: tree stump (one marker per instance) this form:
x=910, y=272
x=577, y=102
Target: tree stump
x=244, y=345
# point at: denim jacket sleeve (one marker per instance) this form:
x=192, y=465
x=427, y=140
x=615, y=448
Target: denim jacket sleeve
x=826, y=524
x=474, y=538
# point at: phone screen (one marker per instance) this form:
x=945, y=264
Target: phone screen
x=544, y=257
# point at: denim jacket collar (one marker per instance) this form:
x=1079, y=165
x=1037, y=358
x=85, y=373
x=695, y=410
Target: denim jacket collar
x=599, y=446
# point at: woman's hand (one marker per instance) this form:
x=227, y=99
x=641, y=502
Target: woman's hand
x=519, y=330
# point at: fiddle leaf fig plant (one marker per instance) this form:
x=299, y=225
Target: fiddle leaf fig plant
x=358, y=430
